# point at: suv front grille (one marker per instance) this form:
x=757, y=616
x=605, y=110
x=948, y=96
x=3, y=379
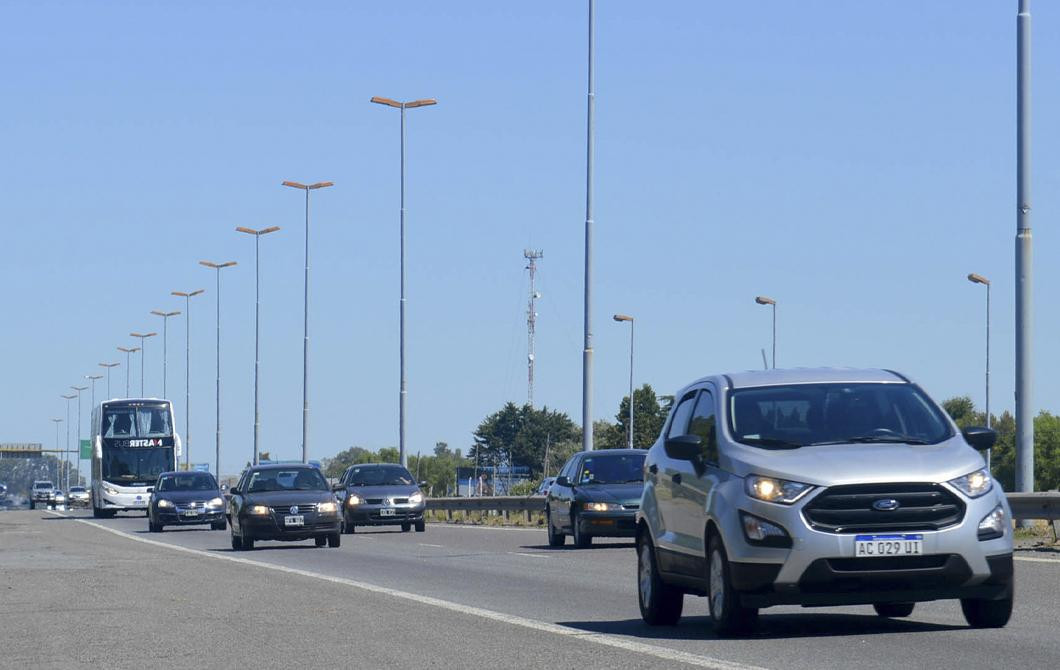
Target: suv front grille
x=849, y=509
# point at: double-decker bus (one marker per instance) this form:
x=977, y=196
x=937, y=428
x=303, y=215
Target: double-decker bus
x=133, y=441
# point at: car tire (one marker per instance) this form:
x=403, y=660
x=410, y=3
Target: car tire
x=237, y=544
x=334, y=540
x=581, y=539
x=728, y=616
x=320, y=540
x=421, y=526
x=248, y=543
x=32, y=504
x=406, y=527
x=555, y=538
x=219, y=525
x=893, y=610
x=349, y=528
x=153, y=527
x=987, y=613
x=660, y=603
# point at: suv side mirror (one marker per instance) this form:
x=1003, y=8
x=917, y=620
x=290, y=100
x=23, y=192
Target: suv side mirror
x=563, y=481
x=230, y=491
x=683, y=447
x=979, y=438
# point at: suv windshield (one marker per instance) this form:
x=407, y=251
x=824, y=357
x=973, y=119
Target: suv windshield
x=199, y=481
x=612, y=469
x=385, y=475
x=294, y=479
x=799, y=415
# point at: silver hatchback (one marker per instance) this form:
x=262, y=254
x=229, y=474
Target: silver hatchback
x=819, y=487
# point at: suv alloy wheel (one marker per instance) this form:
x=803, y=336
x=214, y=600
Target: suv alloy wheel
x=729, y=617
x=660, y=603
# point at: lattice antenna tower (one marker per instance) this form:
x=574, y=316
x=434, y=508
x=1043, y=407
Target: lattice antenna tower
x=532, y=256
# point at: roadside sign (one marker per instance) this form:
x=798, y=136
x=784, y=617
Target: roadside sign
x=86, y=449
x=200, y=467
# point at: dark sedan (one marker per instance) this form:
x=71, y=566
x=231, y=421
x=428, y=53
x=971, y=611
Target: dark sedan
x=185, y=499
x=596, y=494
x=380, y=494
x=283, y=502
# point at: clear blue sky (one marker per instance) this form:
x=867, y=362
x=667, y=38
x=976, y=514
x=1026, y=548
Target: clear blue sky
x=853, y=160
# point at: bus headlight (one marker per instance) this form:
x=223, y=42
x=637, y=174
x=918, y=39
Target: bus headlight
x=109, y=491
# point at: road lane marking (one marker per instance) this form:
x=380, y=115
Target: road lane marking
x=520, y=553
x=437, y=546
x=602, y=639
x=466, y=526
x=1032, y=559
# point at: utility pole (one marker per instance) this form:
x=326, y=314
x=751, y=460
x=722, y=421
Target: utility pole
x=187, y=295
x=1024, y=274
x=68, y=398
x=587, y=350
x=78, y=389
x=531, y=322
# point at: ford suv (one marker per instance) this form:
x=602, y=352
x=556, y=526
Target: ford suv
x=819, y=487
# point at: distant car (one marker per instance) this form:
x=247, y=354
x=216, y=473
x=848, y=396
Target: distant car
x=597, y=494
x=40, y=493
x=283, y=502
x=57, y=499
x=544, y=486
x=78, y=496
x=185, y=499
x=380, y=494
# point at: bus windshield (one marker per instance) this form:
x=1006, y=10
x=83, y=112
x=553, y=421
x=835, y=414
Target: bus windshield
x=136, y=466
x=137, y=421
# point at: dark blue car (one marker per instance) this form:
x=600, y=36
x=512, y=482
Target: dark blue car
x=185, y=499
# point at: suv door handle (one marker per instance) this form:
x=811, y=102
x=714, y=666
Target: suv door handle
x=676, y=478
x=653, y=468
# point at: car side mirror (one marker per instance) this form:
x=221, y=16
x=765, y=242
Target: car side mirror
x=563, y=481
x=337, y=487
x=150, y=489
x=683, y=447
x=231, y=491
x=422, y=484
x=980, y=438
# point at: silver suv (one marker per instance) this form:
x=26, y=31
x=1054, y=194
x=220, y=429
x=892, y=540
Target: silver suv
x=819, y=487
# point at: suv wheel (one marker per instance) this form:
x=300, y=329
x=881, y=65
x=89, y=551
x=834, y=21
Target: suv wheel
x=320, y=540
x=725, y=611
x=896, y=610
x=581, y=540
x=987, y=613
x=334, y=540
x=660, y=603
x=555, y=538
x=421, y=526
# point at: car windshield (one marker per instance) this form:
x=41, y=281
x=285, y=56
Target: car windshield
x=137, y=421
x=380, y=475
x=77, y=489
x=42, y=485
x=799, y=415
x=198, y=481
x=612, y=469
x=293, y=479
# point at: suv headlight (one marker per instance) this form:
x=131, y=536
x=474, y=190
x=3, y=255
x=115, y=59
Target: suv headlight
x=327, y=508
x=974, y=484
x=416, y=498
x=258, y=510
x=771, y=489
x=216, y=502
x=600, y=507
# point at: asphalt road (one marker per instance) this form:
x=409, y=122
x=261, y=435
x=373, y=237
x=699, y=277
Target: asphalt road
x=451, y=597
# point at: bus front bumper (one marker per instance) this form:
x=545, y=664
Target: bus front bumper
x=124, y=501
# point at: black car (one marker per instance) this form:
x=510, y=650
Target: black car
x=597, y=494
x=185, y=499
x=283, y=502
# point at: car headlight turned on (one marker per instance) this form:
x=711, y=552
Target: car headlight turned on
x=600, y=507
x=760, y=532
x=258, y=510
x=164, y=504
x=353, y=500
x=771, y=489
x=993, y=525
x=327, y=508
x=216, y=502
x=416, y=498
x=974, y=484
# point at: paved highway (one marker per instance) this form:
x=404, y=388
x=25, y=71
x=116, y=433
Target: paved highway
x=453, y=596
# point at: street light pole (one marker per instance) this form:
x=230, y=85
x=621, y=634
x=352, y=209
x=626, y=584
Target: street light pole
x=108, y=366
x=128, y=351
x=587, y=351
x=187, y=371
x=620, y=318
x=257, y=323
x=403, y=383
x=78, y=389
x=305, y=317
x=217, y=446
x=165, y=344
x=92, y=406
x=763, y=300
x=142, y=336
x=59, y=475
x=1024, y=272
x=68, y=398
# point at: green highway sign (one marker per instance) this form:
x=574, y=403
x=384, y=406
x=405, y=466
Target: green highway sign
x=86, y=449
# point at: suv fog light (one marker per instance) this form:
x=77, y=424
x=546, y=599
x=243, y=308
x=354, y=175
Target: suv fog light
x=993, y=525
x=762, y=533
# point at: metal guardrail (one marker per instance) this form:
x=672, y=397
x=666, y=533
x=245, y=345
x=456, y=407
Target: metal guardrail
x=1044, y=505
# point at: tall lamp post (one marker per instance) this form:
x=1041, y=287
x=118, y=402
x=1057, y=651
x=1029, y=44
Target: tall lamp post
x=108, y=366
x=218, y=267
x=403, y=383
x=165, y=344
x=128, y=351
x=590, y=152
x=1024, y=269
x=305, y=317
x=142, y=336
x=620, y=318
x=187, y=371
x=68, y=398
x=257, y=322
x=92, y=406
x=59, y=475
x=763, y=300
x=78, y=390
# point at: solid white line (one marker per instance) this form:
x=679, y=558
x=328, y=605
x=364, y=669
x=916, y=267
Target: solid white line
x=439, y=524
x=519, y=553
x=437, y=546
x=602, y=639
x=1032, y=559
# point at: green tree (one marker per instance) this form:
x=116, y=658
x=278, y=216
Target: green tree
x=607, y=435
x=649, y=415
x=521, y=433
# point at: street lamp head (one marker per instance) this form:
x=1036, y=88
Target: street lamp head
x=425, y=102
x=978, y=279
x=57, y=420
x=93, y=377
x=128, y=350
x=79, y=388
x=182, y=294
x=218, y=266
x=622, y=317
x=164, y=314
x=143, y=335
x=251, y=231
x=108, y=365
x=386, y=101
x=763, y=300
x=68, y=397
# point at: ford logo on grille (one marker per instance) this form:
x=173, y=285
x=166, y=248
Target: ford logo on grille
x=886, y=505
x=294, y=509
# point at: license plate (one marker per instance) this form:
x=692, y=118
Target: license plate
x=294, y=520
x=386, y=512
x=873, y=546
x=191, y=512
